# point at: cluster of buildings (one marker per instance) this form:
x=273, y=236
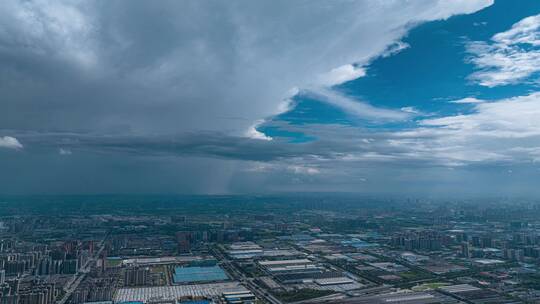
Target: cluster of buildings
x=306, y=253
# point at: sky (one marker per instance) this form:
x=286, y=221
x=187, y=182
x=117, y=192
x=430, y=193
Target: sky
x=425, y=97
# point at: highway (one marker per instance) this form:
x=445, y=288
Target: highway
x=81, y=274
x=258, y=291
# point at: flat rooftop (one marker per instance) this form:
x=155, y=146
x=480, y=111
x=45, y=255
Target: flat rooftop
x=284, y=262
x=161, y=260
x=334, y=281
x=459, y=288
x=403, y=298
x=199, y=274
x=171, y=293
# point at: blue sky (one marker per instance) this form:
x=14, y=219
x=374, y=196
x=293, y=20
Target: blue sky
x=433, y=69
x=413, y=97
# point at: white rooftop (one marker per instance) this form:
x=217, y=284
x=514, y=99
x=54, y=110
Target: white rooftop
x=459, y=288
x=169, y=293
x=284, y=262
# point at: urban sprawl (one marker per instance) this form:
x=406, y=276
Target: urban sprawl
x=264, y=249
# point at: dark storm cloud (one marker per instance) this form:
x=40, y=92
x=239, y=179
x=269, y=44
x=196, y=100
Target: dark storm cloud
x=177, y=66
x=329, y=143
x=210, y=144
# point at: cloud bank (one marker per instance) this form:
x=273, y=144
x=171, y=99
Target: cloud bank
x=510, y=56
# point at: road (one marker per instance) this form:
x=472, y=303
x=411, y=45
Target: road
x=258, y=291
x=81, y=274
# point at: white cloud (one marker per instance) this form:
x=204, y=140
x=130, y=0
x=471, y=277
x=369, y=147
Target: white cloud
x=356, y=107
x=10, y=143
x=294, y=167
x=511, y=56
x=411, y=110
x=286, y=104
x=299, y=169
x=64, y=151
x=507, y=130
x=525, y=31
x=252, y=132
x=513, y=117
x=467, y=100
x=341, y=75
x=260, y=167
x=503, y=131
x=395, y=48
x=481, y=23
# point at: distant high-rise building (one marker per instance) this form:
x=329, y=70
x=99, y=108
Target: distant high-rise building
x=514, y=254
x=424, y=241
x=184, y=241
x=461, y=237
x=465, y=250
x=9, y=299
x=476, y=241
x=487, y=242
